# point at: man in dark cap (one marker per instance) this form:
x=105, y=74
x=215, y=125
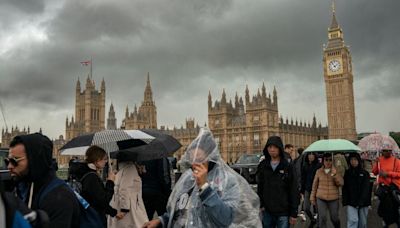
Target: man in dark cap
x=277, y=187
x=31, y=167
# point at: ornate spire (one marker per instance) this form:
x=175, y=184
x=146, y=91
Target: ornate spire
x=247, y=96
x=334, y=23
x=223, y=99
x=103, y=85
x=314, y=122
x=148, y=94
x=236, y=100
x=88, y=82
x=78, y=86
x=209, y=99
x=263, y=91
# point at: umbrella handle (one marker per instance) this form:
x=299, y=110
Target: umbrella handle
x=110, y=169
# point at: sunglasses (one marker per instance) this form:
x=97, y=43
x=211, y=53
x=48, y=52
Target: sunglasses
x=14, y=161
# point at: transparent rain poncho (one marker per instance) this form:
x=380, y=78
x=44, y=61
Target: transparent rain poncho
x=232, y=189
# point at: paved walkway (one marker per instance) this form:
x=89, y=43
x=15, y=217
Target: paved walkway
x=374, y=221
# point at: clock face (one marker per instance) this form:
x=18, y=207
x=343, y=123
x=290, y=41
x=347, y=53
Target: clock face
x=334, y=65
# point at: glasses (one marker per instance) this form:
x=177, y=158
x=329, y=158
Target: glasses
x=389, y=151
x=13, y=160
x=328, y=160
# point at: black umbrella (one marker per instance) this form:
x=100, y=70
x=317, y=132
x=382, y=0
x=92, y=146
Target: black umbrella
x=163, y=145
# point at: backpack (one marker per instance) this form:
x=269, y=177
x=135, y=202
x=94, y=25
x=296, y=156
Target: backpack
x=13, y=216
x=88, y=216
x=76, y=185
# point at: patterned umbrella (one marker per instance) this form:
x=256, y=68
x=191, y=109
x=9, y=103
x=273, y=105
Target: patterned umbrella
x=373, y=144
x=109, y=140
x=163, y=145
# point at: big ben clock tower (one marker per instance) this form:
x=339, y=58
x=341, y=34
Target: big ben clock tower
x=339, y=84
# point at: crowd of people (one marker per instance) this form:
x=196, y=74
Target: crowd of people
x=290, y=184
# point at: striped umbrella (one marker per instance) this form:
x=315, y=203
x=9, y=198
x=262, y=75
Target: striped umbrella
x=109, y=140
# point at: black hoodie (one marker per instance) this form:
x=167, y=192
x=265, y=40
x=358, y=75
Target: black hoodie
x=278, y=190
x=60, y=204
x=356, y=191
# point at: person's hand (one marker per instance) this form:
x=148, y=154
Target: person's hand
x=111, y=176
x=292, y=221
x=383, y=173
x=333, y=171
x=200, y=174
x=152, y=224
x=120, y=215
x=312, y=202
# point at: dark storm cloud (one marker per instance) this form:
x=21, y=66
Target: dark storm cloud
x=26, y=7
x=190, y=47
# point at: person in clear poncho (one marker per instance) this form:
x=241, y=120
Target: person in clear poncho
x=210, y=194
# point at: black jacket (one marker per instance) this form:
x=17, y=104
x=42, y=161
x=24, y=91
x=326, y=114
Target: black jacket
x=356, y=190
x=96, y=193
x=308, y=173
x=60, y=204
x=278, y=190
x=157, y=178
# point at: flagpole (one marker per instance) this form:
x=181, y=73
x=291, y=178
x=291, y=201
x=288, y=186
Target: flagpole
x=91, y=70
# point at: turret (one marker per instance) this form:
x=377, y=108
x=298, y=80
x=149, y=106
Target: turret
x=236, y=101
x=263, y=91
x=223, y=99
x=103, y=86
x=148, y=94
x=275, y=97
x=247, y=96
x=78, y=86
x=209, y=100
x=314, y=123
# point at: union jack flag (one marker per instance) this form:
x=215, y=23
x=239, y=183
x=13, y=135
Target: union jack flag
x=86, y=63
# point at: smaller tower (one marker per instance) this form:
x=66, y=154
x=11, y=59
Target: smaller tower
x=111, y=121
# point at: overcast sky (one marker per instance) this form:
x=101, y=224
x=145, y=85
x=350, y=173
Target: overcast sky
x=190, y=47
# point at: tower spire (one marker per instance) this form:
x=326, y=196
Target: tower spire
x=334, y=23
x=148, y=94
x=209, y=99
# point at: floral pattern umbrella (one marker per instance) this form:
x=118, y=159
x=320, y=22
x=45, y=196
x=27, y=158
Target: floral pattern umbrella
x=373, y=144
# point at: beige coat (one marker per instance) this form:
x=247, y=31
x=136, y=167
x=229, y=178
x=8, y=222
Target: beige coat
x=128, y=195
x=325, y=186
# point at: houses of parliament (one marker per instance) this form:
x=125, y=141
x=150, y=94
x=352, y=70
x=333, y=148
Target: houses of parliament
x=241, y=126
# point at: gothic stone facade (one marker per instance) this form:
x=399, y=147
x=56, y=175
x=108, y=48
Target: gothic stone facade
x=338, y=77
x=7, y=136
x=146, y=116
x=184, y=135
x=89, y=110
x=245, y=126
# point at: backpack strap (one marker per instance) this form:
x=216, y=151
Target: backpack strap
x=51, y=186
x=86, y=174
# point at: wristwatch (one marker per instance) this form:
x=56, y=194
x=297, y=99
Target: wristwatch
x=204, y=186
